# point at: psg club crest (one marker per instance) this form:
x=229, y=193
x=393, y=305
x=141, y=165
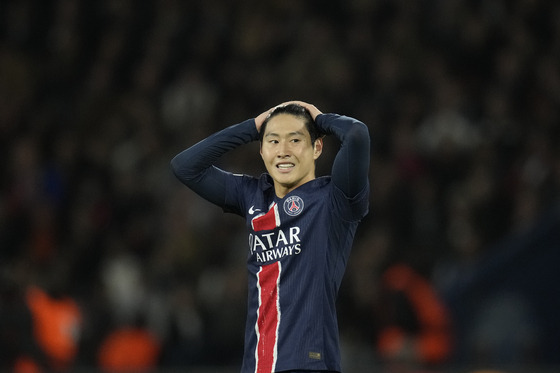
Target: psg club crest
x=293, y=205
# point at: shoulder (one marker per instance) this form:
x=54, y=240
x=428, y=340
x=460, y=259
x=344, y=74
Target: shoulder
x=243, y=183
x=344, y=207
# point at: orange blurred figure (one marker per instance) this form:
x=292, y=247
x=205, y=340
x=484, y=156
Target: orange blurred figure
x=431, y=344
x=56, y=326
x=129, y=349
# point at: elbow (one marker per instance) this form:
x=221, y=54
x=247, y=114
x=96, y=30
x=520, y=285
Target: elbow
x=185, y=170
x=361, y=128
x=359, y=136
x=180, y=170
x=175, y=165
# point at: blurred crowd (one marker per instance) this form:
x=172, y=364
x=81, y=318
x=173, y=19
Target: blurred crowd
x=462, y=99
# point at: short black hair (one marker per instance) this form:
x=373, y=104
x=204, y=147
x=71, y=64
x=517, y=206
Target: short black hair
x=297, y=111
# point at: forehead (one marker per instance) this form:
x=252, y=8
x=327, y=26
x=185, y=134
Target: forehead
x=282, y=124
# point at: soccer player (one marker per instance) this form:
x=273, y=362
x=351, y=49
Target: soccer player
x=300, y=228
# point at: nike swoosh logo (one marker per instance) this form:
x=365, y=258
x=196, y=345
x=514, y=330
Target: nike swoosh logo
x=252, y=210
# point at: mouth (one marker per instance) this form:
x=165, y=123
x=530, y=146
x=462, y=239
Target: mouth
x=285, y=167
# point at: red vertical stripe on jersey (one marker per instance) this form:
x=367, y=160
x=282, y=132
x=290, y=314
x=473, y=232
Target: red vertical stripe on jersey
x=268, y=317
x=268, y=221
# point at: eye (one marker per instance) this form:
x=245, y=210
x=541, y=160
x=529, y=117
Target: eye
x=273, y=141
x=296, y=140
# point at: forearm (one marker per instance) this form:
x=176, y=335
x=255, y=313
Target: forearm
x=351, y=165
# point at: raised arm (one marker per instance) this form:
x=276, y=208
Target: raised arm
x=195, y=168
x=351, y=165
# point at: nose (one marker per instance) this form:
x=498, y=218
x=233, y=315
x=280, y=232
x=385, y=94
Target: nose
x=283, y=150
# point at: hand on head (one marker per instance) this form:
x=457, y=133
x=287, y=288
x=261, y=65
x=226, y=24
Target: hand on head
x=262, y=117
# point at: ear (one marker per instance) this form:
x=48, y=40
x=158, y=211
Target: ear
x=318, y=148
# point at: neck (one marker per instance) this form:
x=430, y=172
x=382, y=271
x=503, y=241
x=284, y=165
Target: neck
x=282, y=190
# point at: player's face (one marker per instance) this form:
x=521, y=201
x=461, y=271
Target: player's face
x=288, y=154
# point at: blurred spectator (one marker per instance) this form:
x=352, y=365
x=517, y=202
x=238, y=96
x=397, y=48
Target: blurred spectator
x=21, y=351
x=41, y=321
x=129, y=349
x=415, y=325
x=56, y=326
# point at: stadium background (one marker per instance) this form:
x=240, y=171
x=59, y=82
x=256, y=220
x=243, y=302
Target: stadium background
x=462, y=102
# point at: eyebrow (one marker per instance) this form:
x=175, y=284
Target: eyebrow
x=274, y=134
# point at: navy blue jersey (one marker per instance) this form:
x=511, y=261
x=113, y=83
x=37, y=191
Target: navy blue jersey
x=298, y=245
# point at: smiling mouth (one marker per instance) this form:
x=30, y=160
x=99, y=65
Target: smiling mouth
x=285, y=166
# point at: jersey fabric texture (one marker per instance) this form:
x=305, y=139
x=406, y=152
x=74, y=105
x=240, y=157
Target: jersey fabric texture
x=298, y=245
